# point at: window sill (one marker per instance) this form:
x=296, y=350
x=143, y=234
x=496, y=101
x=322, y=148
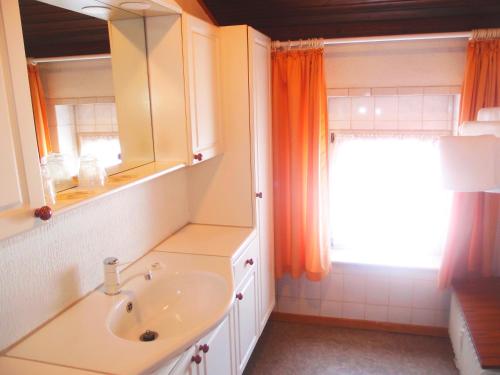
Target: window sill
x=350, y=257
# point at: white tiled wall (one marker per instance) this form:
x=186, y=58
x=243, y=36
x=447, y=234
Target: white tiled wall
x=368, y=293
x=397, y=108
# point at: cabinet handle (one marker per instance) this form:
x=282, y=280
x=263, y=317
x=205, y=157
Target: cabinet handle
x=43, y=213
x=249, y=261
x=259, y=195
x=239, y=296
x=204, y=348
x=196, y=359
x=198, y=157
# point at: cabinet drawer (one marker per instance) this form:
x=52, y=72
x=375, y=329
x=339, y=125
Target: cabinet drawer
x=246, y=262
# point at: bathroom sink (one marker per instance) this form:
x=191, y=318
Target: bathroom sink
x=170, y=305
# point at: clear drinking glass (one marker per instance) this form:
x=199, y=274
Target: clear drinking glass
x=91, y=173
x=49, y=189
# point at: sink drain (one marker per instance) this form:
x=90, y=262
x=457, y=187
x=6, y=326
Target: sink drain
x=148, y=336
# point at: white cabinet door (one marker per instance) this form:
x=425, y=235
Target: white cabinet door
x=22, y=189
x=201, y=44
x=260, y=81
x=185, y=365
x=216, y=351
x=247, y=325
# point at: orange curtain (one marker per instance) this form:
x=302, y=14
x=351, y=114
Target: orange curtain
x=300, y=143
x=470, y=245
x=39, y=111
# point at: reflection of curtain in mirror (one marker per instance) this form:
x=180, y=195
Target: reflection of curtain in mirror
x=39, y=111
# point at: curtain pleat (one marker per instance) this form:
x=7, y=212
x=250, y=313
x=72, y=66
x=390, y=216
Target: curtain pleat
x=39, y=111
x=300, y=143
x=470, y=247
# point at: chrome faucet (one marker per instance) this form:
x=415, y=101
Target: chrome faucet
x=112, y=284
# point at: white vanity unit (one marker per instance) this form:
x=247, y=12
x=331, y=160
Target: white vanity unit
x=475, y=326
x=202, y=300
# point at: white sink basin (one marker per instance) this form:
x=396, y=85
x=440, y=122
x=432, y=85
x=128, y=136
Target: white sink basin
x=186, y=298
x=171, y=305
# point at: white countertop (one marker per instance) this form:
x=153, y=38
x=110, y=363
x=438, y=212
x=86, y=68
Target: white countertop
x=214, y=240
x=14, y=366
x=79, y=338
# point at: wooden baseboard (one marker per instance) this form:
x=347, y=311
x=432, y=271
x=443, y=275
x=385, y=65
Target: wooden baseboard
x=361, y=324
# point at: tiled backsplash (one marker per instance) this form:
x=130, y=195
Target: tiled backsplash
x=403, y=108
x=366, y=292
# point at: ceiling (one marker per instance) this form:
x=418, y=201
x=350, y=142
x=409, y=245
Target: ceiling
x=295, y=19
x=52, y=31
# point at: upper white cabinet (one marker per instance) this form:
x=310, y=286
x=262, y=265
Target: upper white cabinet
x=22, y=189
x=201, y=49
x=259, y=49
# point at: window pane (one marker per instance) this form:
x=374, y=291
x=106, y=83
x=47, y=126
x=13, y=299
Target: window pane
x=386, y=196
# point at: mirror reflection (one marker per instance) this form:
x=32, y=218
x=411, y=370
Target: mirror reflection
x=89, y=88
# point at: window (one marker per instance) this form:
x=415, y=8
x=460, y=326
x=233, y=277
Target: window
x=387, y=205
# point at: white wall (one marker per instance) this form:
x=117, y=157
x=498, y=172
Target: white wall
x=77, y=79
x=396, y=64
x=45, y=270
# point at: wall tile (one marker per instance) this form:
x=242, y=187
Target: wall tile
x=399, y=315
x=386, y=108
x=385, y=91
x=103, y=113
x=441, y=318
x=409, y=124
x=425, y=294
x=410, y=108
x=360, y=92
x=376, y=313
x=332, y=287
x=309, y=289
x=437, y=107
x=410, y=90
x=339, y=109
x=85, y=114
x=65, y=115
x=400, y=292
x=362, y=108
x=354, y=288
x=353, y=310
x=377, y=290
x=437, y=90
x=422, y=317
x=331, y=308
x=360, y=125
x=385, y=125
x=339, y=124
x=287, y=287
x=309, y=307
x=337, y=92
x=288, y=305
x=437, y=125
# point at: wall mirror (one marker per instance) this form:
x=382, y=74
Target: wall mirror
x=87, y=67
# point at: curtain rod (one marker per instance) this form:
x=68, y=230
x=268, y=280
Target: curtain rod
x=383, y=38
x=35, y=61
x=395, y=38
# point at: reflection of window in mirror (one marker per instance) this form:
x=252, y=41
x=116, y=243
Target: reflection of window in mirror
x=71, y=85
x=87, y=106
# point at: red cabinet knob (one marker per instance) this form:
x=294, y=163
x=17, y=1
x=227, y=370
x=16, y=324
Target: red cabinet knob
x=198, y=157
x=196, y=359
x=259, y=195
x=43, y=213
x=239, y=296
x=249, y=261
x=204, y=348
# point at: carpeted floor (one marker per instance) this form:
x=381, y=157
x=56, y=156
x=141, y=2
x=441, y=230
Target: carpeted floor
x=293, y=349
